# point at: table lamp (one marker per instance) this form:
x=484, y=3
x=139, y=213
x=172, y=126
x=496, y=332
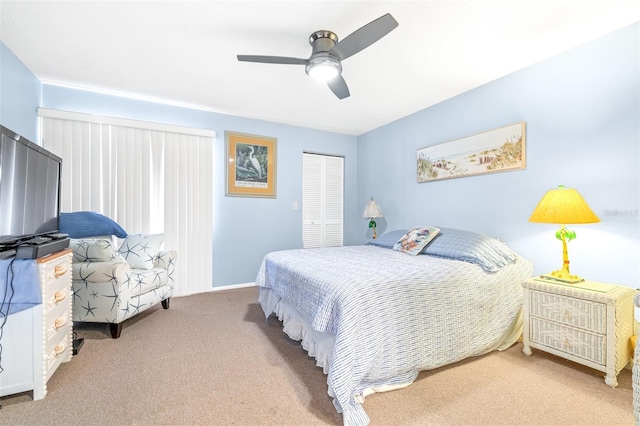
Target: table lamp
x=371, y=211
x=563, y=206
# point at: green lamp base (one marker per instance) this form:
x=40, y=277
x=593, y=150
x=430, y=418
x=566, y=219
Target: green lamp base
x=372, y=225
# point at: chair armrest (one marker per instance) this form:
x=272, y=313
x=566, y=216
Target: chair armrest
x=99, y=272
x=166, y=259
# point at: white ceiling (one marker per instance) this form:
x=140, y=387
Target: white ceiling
x=184, y=52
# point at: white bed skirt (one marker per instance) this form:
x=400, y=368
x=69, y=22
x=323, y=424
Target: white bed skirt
x=320, y=345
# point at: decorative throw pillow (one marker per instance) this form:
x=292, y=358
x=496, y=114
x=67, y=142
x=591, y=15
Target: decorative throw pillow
x=89, y=224
x=416, y=239
x=94, y=250
x=140, y=250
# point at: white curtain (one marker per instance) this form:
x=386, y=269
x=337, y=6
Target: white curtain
x=150, y=178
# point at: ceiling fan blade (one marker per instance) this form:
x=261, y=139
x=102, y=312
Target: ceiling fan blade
x=272, y=59
x=339, y=87
x=364, y=37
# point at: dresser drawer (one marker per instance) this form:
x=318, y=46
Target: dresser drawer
x=59, y=295
x=57, y=268
x=580, y=343
x=57, y=351
x=56, y=320
x=56, y=299
x=584, y=314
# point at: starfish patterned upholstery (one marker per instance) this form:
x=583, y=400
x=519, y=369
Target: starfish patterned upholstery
x=108, y=289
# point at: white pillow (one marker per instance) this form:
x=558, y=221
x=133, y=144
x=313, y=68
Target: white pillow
x=140, y=251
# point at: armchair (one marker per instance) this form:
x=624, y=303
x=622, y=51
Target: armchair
x=112, y=285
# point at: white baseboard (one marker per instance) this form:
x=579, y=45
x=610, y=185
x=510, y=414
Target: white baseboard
x=232, y=287
x=221, y=288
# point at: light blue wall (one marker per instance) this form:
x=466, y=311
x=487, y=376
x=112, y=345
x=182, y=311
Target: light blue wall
x=244, y=229
x=20, y=92
x=582, y=114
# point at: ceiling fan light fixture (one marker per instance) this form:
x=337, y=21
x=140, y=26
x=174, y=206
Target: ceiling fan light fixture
x=323, y=68
x=327, y=52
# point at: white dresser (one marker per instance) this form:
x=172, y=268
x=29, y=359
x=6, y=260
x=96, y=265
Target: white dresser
x=589, y=323
x=36, y=340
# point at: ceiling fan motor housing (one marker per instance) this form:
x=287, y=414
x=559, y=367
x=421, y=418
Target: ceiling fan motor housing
x=322, y=65
x=323, y=41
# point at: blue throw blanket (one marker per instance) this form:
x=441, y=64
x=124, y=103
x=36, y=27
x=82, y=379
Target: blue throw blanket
x=19, y=286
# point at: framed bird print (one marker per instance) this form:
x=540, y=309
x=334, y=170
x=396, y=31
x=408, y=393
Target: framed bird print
x=251, y=165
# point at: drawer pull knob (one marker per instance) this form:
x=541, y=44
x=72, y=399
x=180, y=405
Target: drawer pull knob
x=60, y=270
x=59, y=296
x=60, y=322
x=59, y=348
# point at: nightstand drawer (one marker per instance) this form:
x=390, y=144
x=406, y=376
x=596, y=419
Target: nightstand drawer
x=589, y=346
x=584, y=314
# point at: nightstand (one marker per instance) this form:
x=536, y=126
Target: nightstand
x=588, y=322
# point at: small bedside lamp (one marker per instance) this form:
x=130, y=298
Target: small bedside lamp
x=563, y=206
x=370, y=211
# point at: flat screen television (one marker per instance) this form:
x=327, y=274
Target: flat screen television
x=30, y=180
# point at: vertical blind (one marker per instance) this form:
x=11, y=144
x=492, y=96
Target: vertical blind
x=322, y=200
x=150, y=178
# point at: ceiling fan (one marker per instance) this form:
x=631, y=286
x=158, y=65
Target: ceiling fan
x=327, y=53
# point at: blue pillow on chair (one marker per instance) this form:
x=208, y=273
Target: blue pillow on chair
x=89, y=224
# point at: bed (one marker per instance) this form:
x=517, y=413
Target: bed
x=373, y=316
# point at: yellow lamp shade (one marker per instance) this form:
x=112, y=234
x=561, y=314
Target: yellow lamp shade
x=563, y=206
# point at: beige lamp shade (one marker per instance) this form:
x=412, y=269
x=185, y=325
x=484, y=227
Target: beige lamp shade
x=563, y=206
x=372, y=209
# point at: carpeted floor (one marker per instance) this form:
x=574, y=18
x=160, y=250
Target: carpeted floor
x=213, y=359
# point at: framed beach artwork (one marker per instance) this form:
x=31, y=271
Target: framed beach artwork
x=496, y=150
x=251, y=165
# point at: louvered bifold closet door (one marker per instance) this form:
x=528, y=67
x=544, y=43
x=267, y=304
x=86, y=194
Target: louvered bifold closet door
x=322, y=204
x=333, y=201
x=312, y=201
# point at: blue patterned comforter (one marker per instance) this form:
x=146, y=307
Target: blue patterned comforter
x=392, y=314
